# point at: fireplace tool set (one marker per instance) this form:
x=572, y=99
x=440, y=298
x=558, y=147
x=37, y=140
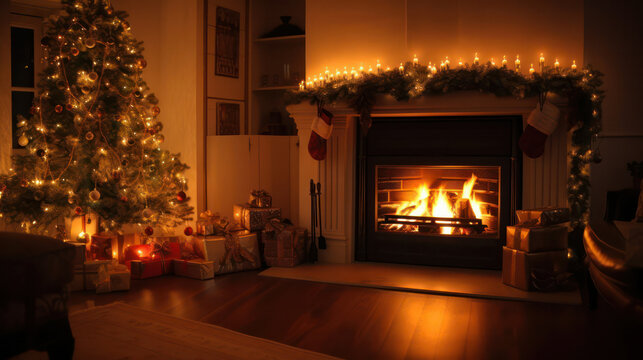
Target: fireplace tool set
x=315, y=220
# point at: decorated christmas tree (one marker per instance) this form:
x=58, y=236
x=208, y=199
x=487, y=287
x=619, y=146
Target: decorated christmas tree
x=93, y=141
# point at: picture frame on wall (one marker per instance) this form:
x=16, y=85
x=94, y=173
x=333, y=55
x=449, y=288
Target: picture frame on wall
x=228, y=118
x=227, y=42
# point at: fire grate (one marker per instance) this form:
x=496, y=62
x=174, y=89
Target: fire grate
x=429, y=223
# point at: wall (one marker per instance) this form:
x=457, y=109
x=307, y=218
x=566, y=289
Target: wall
x=613, y=38
x=172, y=32
x=349, y=33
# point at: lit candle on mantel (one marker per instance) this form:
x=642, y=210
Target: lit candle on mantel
x=378, y=66
x=361, y=68
x=556, y=64
x=531, y=69
x=442, y=66
x=415, y=60
x=517, y=63
x=541, y=62
x=345, y=73
x=446, y=63
x=401, y=68
x=301, y=85
x=327, y=73
x=493, y=63
x=476, y=59
x=460, y=62
x=370, y=69
x=338, y=73
x=434, y=69
x=388, y=68
x=504, y=61
x=574, y=65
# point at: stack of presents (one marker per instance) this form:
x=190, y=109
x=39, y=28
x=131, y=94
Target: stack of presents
x=257, y=236
x=536, y=255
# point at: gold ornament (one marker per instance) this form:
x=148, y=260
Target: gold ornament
x=23, y=140
x=94, y=195
x=86, y=90
x=58, y=108
x=78, y=119
x=89, y=136
x=156, y=110
x=74, y=51
x=93, y=76
x=90, y=43
x=147, y=213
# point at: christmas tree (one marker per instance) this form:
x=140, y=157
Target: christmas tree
x=93, y=139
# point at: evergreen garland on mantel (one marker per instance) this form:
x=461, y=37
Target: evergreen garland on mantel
x=582, y=88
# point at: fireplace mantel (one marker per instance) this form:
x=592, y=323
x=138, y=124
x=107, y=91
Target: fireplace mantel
x=544, y=179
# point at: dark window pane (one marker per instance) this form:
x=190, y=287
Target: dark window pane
x=20, y=105
x=22, y=57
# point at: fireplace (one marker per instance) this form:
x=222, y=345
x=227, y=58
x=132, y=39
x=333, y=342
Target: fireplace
x=438, y=190
x=422, y=132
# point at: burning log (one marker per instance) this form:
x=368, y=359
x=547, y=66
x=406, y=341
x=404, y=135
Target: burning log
x=464, y=209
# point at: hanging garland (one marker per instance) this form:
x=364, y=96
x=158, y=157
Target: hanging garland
x=412, y=80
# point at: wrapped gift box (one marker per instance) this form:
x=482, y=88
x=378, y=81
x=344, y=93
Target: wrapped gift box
x=543, y=216
x=260, y=199
x=79, y=255
x=254, y=219
x=148, y=268
x=284, y=245
x=100, y=275
x=518, y=266
x=150, y=260
x=194, y=268
x=100, y=247
x=538, y=238
x=230, y=253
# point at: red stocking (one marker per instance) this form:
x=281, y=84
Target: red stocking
x=540, y=124
x=322, y=127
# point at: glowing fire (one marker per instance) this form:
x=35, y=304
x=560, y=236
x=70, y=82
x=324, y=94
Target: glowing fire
x=440, y=203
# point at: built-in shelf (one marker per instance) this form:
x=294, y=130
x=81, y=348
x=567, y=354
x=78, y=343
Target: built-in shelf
x=273, y=88
x=281, y=38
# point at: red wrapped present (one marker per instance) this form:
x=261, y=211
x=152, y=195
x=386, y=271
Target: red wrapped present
x=284, y=244
x=100, y=247
x=150, y=260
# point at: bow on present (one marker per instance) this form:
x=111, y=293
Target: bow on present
x=260, y=199
x=275, y=225
x=234, y=251
x=208, y=217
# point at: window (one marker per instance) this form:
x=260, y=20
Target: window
x=26, y=32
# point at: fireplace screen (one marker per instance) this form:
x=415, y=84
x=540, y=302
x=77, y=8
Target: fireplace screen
x=438, y=200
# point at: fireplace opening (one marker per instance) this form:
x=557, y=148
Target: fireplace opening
x=444, y=200
x=438, y=190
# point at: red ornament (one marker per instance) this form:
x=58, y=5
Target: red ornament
x=181, y=196
x=149, y=231
x=69, y=107
x=78, y=210
x=124, y=198
x=58, y=108
x=188, y=231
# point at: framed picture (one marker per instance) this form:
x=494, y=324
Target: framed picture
x=228, y=118
x=226, y=57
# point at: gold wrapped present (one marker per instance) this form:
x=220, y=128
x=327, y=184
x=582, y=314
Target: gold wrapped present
x=210, y=223
x=79, y=255
x=260, y=199
x=521, y=269
x=284, y=244
x=543, y=216
x=200, y=269
x=237, y=251
x=254, y=219
x=537, y=238
x=100, y=275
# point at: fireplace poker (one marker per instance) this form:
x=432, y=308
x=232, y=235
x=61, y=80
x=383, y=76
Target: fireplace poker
x=321, y=240
x=313, y=220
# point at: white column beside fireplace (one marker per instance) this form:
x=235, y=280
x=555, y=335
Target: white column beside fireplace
x=544, y=179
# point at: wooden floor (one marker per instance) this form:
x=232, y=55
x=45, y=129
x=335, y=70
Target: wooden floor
x=363, y=323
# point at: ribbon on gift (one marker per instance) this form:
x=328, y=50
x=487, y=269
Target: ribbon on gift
x=275, y=225
x=188, y=252
x=208, y=217
x=161, y=249
x=234, y=251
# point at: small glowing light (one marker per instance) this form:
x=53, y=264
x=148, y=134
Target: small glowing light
x=573, y=64
x=556, y=64
x=531, y=69
x=476, y=59
x=504, y=61
x=415, y=59
x=401, y=68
